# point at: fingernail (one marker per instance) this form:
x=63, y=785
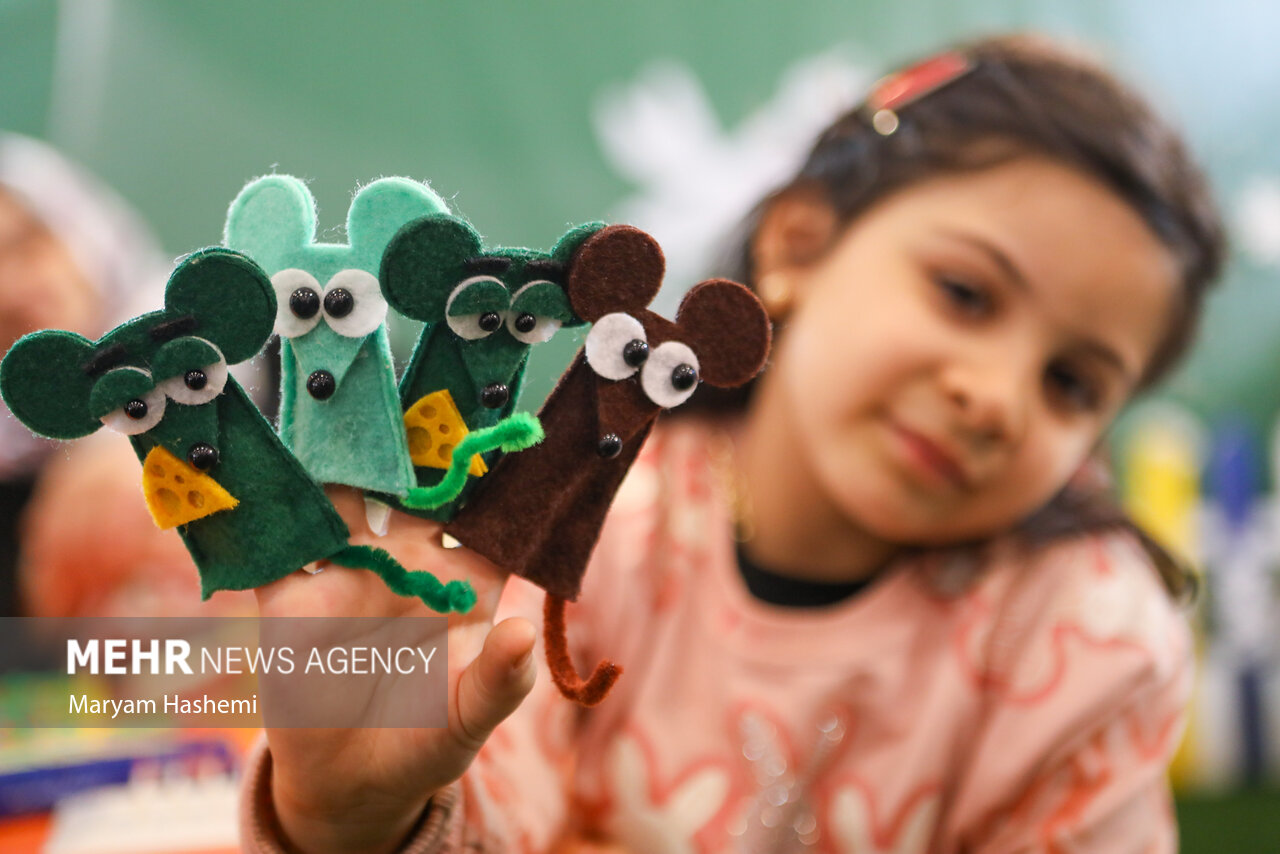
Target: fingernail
x=524, y=660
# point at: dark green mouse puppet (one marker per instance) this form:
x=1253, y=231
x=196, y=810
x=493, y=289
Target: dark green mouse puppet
x=484, y=309
x=212, y=466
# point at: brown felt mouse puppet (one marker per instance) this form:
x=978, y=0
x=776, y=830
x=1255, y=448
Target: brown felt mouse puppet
x=539, y=513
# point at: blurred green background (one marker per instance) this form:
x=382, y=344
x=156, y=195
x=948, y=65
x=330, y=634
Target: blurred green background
x=496, y=104
x=532, y=117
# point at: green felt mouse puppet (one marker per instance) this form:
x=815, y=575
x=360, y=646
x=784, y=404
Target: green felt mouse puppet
x=339, y=412
x=484, y=308
x=212, y=466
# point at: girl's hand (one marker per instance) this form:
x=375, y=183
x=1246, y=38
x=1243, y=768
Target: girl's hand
x=363, y=789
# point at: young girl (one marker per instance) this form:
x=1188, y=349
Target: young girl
x=882, y=603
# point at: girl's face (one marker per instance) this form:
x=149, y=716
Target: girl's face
x=952, y=359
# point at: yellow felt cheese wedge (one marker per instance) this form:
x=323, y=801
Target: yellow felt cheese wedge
x=434, y=427
x=177, y=493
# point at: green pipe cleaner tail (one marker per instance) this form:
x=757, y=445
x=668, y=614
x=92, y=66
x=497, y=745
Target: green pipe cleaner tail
x=514, y=433
x=455, y=596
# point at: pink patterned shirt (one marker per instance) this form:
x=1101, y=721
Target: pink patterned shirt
x=1001, y=700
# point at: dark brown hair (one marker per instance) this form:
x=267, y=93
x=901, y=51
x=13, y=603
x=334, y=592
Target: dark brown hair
x=1024, y=95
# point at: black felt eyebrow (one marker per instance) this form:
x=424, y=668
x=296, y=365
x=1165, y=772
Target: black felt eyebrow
x=487, y=265
x=544, y=268
x=104, y=360
x=171, y=329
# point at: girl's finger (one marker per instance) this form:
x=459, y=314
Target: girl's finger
x=495, y=683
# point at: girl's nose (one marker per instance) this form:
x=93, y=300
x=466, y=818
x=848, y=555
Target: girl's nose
x=988, y=403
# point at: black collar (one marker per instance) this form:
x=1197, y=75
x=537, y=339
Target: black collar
x=768, y=586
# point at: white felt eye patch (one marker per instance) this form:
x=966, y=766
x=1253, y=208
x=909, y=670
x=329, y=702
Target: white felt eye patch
x=199, y=384
x=353, y=304
x=670, y=374
x=607, y=344
x=530, y=328
x=297, y=302
x=472, y=326
x=138, y=415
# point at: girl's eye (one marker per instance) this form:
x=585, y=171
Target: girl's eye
x=1076, y=390
x=969, y=299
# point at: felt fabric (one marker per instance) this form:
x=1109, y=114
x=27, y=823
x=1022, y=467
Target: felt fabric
x=265, y=516
x=620, y=271
x=539, y=513
x=225, y=295
x=194, y=368
x=283, y=519
x=121, y=385
x=537, y=312
x=354, y=434
x=48, y=377
x=178, y=493
x=338, y=440
x=513, y=433
x=606, y=344
x=670, y=374
x=294, y=290
x=46, y=387
x=438, y=270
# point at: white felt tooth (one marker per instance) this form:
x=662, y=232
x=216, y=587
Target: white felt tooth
x=378, y=515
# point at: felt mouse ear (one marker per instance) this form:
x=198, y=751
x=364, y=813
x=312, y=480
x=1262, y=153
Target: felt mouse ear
x=379, y=210
x=271, y=219
x=230, y=298
x=567, y=247
x=424, y=262
x=727, y=328
x=618, y=268
x=45, y=385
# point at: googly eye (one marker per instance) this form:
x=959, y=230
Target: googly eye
x=474, y=325
x=137, y=415
x=197, y=385
x=353, y=303
x=670, y=374
x=527, y=327
x=611, y=339
x=297, y=302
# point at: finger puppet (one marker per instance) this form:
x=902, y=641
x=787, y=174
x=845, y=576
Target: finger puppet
x=212, y=466
x=339, y=411
x=538, y=515
x=484, y=308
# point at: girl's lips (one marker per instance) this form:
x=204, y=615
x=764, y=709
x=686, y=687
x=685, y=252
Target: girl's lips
x=927, y=456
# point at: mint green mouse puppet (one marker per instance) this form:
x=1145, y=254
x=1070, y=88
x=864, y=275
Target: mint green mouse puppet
x=212, y=466
x=339, y=410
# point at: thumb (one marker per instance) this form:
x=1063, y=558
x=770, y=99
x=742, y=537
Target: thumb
x=496, y=682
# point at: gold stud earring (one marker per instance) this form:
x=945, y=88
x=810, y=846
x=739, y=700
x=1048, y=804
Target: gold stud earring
x=775, y=292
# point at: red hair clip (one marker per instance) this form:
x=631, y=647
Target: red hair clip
x=904, y=87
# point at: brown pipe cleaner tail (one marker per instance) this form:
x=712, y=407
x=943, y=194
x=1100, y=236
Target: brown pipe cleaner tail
x=571, y=685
